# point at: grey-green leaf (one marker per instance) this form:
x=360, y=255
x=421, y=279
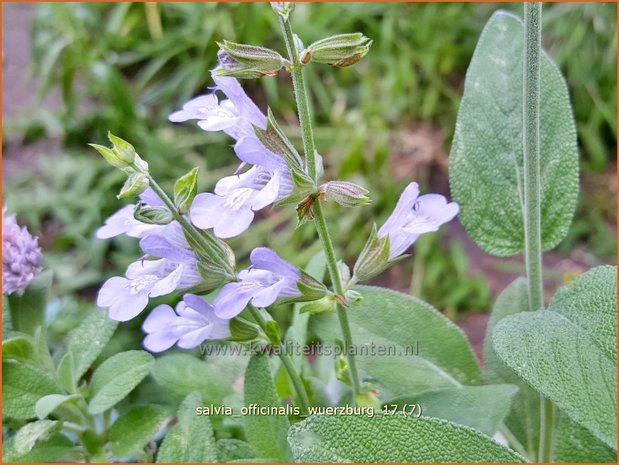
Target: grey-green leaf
x=46, y=405
x=88, y=340
x=30, y=433
x=523, y=420
x=386, y=320
x=486, y=161
x=562, y=361
x=575, y=444
x=229, y=450
x=18, y=348
x=389, y=439
x=191, y=440
x=57, y=448
x=590, y=301
x=115, y=378
x=181, y=374
x=266, y=433
x=479, y=407
x=132, y=431
x=22, y=386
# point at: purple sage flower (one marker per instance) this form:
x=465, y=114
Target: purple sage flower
x=193, y=322
x=415, y=215
x=123, y=222
x=234, y=115
x=230, y=210
x=175, y=269
x=21, y=256
x=268, y=278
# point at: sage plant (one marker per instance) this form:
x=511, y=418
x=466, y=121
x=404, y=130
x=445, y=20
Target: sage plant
x=389, y=378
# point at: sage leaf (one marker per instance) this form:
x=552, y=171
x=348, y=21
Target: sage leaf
x=486, y=160
x=22, y=386
x=265, y=433
x=575, y=444
x=46, y=405
x=88, y=340
x=191, y=440
x=479, y=407
x=561, y=360
x=590, y=301
x=115, y=378
x=391, y=321
x=388, y=439
x=18, y=348
x=181, y=374
x=30, y=433
x=229, y=450
x=523, y=420
x=132, y=431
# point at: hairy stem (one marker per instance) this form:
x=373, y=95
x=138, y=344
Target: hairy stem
x=286, y=361
x=206, y=241
x=300, y=93
x=323, y=233
x=532, y=197
x=305, y=119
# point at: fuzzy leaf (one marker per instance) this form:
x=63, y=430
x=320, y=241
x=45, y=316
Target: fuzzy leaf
x=575, y=444
x=18, y=348
x=46, y=405
x=398, y=322
x=181, y=374
x=486, y=161
x=26, y=438
x=88, y=340
x=132, y=431
x=229, y=450
x=523, y=420
x=57, y=448
x=561, y=360
x=191, y=440
x=590, y=301
x=22, y=386
x=389, y=439
x=115, y=378
x=266, y=433
x=479, y=407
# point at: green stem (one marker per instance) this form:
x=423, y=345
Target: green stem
x=300, y=93
x=532, y=183
x=512, y=440
x=205, y=241
x=532, y=196
x=153, y=20
x=286, y=361
x=323, y=233
x=305, y=119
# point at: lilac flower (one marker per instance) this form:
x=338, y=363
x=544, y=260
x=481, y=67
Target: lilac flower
x=193, y=322
x=230, y=210
x=234, y=115
x=268, y=278
x=123, y=222
x=176, y=269
x=21, y=256
x=415, y=215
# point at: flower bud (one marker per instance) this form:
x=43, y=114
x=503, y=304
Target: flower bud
x=122, y=155
x=152, y=215
x=374, y=257
x=247, y=61
x=135, y=184
x=185, y=189
x=345, y=193
x=340, y=50
x=283, y=9
x=327, y=304
x=242, y=331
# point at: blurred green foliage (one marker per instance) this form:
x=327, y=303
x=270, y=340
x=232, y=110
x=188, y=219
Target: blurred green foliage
x=125, y=66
